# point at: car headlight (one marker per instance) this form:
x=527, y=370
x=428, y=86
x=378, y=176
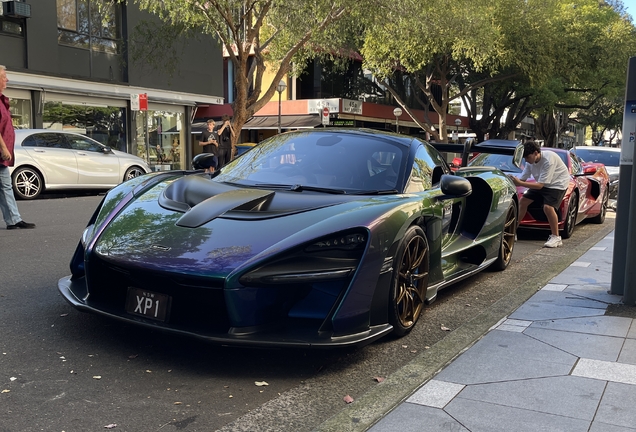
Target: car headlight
x=343, y=242
x=328, y=259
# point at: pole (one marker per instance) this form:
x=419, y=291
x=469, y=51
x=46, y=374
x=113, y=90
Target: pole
x=623, y=276
x=279, y=93
x=397, y=125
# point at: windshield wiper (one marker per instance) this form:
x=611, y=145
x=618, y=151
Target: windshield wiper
x=376, y=192
x=299, y=188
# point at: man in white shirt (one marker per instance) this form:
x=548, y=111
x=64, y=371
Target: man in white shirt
x=552, y=178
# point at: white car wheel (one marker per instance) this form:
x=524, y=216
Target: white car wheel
x=27, y=183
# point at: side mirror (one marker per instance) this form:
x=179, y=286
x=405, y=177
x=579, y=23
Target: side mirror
x=107, y=149
x=590, y=169
x=454, y=187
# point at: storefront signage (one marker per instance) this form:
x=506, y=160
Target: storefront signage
x=351, y=106
x=316, y=105
x=139, y=102
x=343, y=123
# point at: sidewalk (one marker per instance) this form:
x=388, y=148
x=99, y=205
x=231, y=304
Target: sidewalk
x=557, y=363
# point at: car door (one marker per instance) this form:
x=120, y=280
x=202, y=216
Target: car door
x=52, y=154
x=426, y=174
x=97, y=165
x=583, y=185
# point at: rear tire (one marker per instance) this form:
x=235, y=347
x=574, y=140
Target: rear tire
x=409, y=282
x=27, y=183
x=600, y=218
x=507, y=240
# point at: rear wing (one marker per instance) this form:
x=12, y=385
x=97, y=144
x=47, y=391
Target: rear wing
x=494, y=146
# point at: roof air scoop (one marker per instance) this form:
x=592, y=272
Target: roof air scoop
x=217, y=205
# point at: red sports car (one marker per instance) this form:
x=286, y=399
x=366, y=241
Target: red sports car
x=586, y=198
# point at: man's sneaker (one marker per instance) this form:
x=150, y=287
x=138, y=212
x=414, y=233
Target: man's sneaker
x=553, y=241
x=22, y=224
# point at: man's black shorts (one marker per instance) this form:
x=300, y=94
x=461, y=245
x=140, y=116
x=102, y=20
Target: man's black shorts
x=551, y=197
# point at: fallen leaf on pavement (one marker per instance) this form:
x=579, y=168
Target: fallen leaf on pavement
x=378, y=379
x=5, y=391
x=110, y=426
x=63, y=315
x=177, y=403
x=261, y=383
x=12, y=379
x=348, y=399
x=445, y=328
x=133, y=356
x=97, y=377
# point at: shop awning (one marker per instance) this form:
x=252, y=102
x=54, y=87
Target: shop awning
x=305, y=121
x=29, y=81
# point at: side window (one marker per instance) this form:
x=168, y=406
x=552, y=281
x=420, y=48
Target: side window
x=89, y=24
x=81, y=143
x=47, y=140
x=29, y=141
x=421, y=178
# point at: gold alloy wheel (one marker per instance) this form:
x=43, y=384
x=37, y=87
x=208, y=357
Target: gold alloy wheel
x=509, y=232
x=412, y=281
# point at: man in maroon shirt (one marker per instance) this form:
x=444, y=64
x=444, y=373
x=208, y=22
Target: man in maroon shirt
x=8, y=206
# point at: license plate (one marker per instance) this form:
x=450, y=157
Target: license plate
x=148, y=304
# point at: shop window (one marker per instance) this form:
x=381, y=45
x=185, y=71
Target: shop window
x=13, y=27
x=20, y=113
x=89, y=24
x=104, y=124
x=158, y=138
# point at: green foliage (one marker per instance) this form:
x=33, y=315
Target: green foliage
x=257, y=34
x=505, y=58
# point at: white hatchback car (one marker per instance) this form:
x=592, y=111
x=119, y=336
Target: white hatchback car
x=59, y=160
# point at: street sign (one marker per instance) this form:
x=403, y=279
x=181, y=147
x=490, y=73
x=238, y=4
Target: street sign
x=325, y=116
x=143, y=102
x=139, y=102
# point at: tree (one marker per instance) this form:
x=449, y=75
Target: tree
x=442, y=44
x=606, y=115
x=590, y=44
x=258, y=34
x=548, y=56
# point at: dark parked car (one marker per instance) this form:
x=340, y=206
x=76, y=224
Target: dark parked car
x=315, y=238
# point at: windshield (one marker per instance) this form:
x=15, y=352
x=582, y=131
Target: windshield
x=502, y=162
x=344, y=161
x=609, y=158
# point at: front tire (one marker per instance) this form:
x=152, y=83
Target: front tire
x=409, y=282
x=27, y=183
x=133, y=172
x=507, y=240
x=570, y=217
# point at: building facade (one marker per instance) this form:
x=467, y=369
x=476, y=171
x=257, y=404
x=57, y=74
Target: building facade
x=70, y=67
